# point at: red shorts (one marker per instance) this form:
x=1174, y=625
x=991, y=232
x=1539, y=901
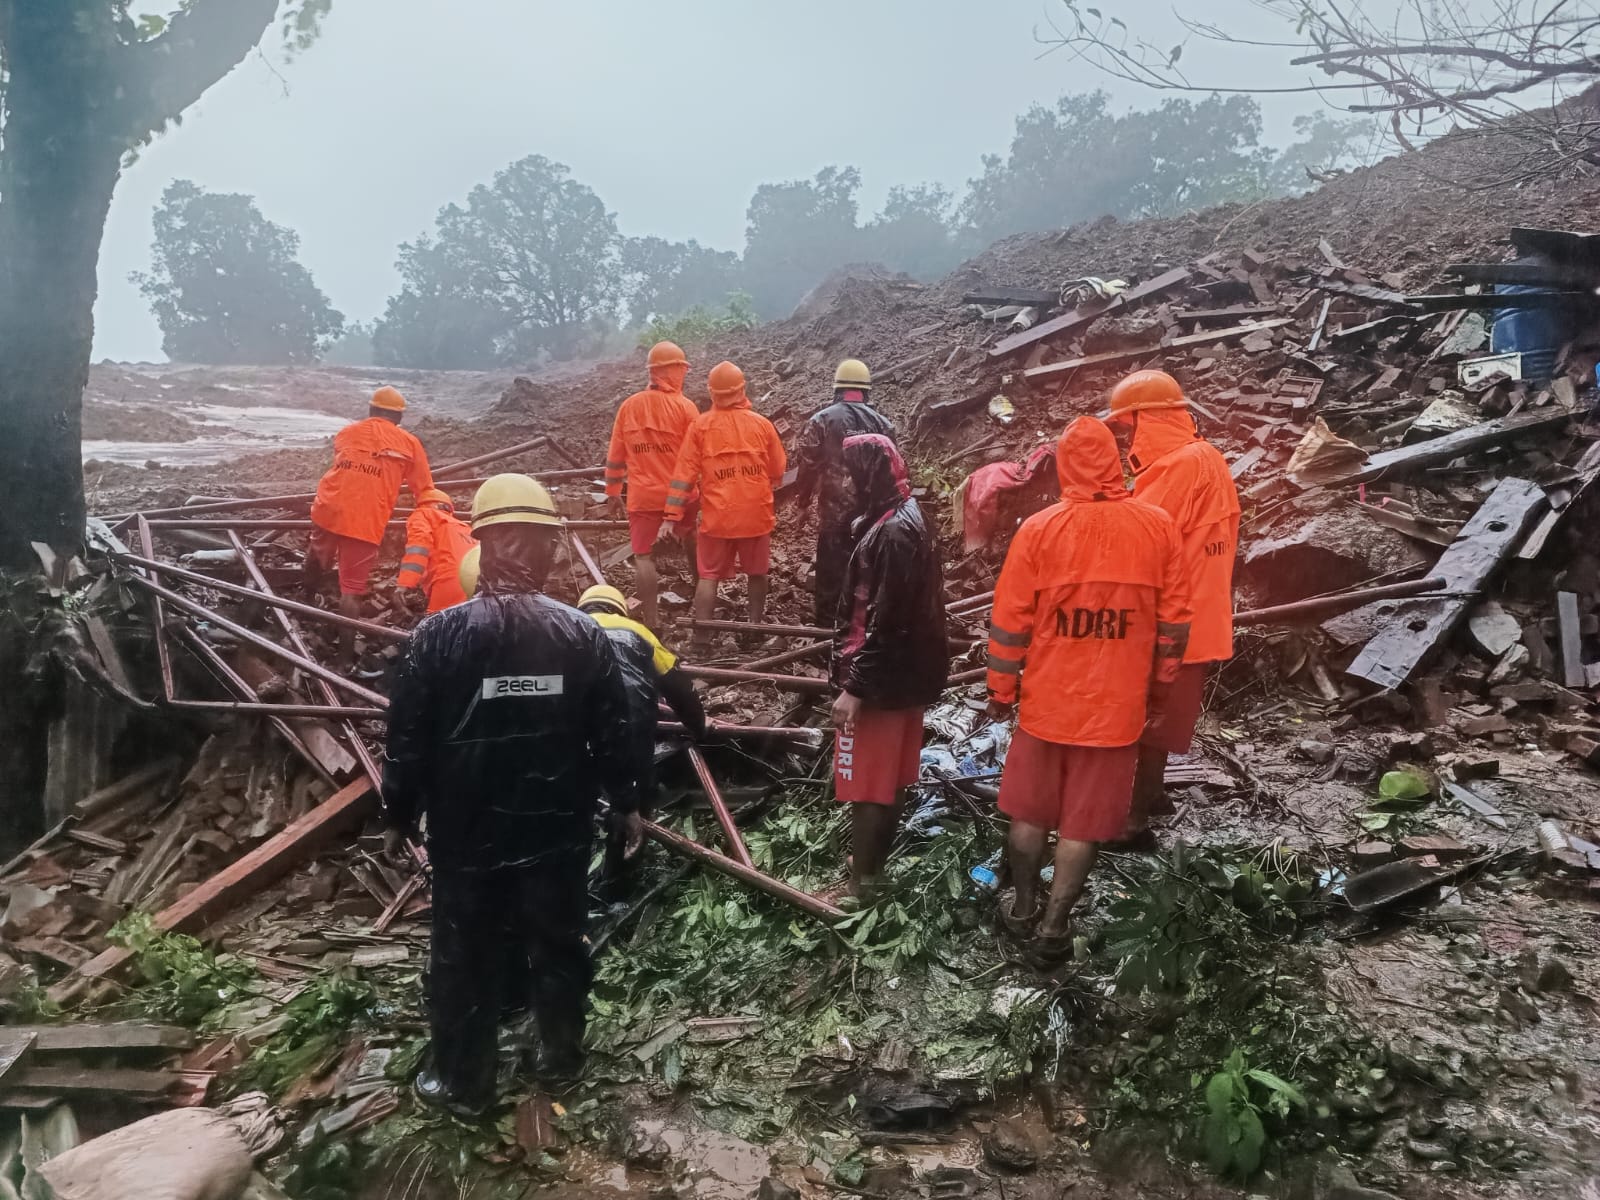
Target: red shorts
x=354, y=558
x=645, y=527
x=1082, y=792
x=1181, y=712
x=717, y=556
x=880, y=757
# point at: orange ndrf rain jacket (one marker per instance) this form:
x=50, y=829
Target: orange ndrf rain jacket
x=1092, y=603
x=734, y=455
x=645, y=439
x=1177, y=470
x=436, y=542
x=371, y=458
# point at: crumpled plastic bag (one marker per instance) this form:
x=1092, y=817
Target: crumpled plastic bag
x=1323, y=455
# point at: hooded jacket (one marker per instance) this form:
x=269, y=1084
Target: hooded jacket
x=1176, y=469
x=645, y=439
x=507, y=717
x=890, y=648
x=733, y=455
x=819, y=458
x=436, y=542
x=371, y=459
x=1092, y=603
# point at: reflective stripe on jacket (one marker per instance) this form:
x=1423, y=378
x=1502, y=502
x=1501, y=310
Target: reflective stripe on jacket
x=734, y=456
x=1092, y=603
x=646, y=436
x=371, y=459
x=436, y=542
x=1176, y=469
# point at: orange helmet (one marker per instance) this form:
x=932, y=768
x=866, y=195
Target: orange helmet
x=1144, y=390
x=667, y=354
x=389, y=399
x=436, y=496
x=725, y=380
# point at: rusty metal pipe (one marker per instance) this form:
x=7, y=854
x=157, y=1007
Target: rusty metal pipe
x=245, y=503
x=969, y=603
x=370, y=628
x=235, y=683
x=289, y=524
x=806, y=903
x=456, y=468
x=807, y=631
x=587, y=559
x=261, y=643
x=264, y=709
x=784, y=683
x=795, y=654
x=298, y=641
x=159, y=616
x=720, y=807
x=1322, y=606
x=806, y=738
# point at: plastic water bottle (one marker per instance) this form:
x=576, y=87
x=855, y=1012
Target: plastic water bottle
x=986, y=875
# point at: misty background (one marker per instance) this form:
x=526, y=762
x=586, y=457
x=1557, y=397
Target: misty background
x=674, y=117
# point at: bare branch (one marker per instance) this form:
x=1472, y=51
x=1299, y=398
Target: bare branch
x=163, y=77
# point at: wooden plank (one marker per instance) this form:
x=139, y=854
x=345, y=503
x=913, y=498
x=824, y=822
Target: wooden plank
x=1573, y=673
x=1247, y=460
x=109, y=1035
x=1413, y=629
x=103, y=799
x=1028, y=297
x=1204, y=338
x=1588, y=470
x=1085, y=313
x=266, y=863
x=1232, y=313
x=1391, y=464
x=65, y=1080
x=15, y=1043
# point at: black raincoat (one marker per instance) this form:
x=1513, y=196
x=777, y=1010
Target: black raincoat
x=508, y=716
x=890, y=648
x=819, y=466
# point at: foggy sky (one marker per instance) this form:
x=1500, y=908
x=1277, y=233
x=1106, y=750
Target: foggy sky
x=673, y=113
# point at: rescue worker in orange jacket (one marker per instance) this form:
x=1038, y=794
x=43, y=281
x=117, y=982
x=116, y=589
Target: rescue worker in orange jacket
x=646, y=436
x=436, y=542
x=734, y=456
x=1091, y=615
x=371, y=459
x=1177, y=470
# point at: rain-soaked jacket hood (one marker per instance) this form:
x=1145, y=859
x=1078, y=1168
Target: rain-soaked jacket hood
x=508, y=716
x=735, y=457
x=890, y=648
x=1157, y=432
x=1087, y=462
x=820, y=471
x=731, y=399
x=878, y=474
x=1180, y=472
x=669, y=378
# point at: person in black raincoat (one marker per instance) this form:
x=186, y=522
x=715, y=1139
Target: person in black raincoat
x=508, y=717
x=820, y=469
x=890, y=656
x=653, y=675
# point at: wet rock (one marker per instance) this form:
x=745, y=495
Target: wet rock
x=1317, y=752
x=1341, y=1184
x=645, y=1148
x=1010, y=1146
x=1428, y=1151
x=773, y=1188
x=1554, y=976
x=1371, y=854
x=1420, y=1125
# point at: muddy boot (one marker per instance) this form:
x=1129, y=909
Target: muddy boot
x=430, y=1089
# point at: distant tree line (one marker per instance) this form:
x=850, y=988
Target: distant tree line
x=532, y=264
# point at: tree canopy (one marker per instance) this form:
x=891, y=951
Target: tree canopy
x=226, y=286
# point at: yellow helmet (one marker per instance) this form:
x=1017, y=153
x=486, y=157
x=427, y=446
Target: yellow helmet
x=853, y=373
x=512, y=499
x=467, y=572
x=605, y=595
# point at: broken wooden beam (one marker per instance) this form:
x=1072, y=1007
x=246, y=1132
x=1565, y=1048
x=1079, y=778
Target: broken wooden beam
x=1203, y=338
x=784, y=683
x=1084, y=314
x=1415, y=629
x=91, y=1036
x=1323, y=606
x=1391, y=464
x=1028, y=297
x=265, y=864
x=768, y=630
x=102, y=799
x=1567, y=620
x=805, y=902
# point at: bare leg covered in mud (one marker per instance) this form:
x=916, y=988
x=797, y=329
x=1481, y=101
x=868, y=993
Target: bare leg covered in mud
x=872, y=830
x=705, y=607
x=645, y=585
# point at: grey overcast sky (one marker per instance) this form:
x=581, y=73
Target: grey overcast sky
x=673, y=113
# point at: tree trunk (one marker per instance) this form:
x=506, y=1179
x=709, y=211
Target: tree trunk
x=57, y=174
x=56, y=178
